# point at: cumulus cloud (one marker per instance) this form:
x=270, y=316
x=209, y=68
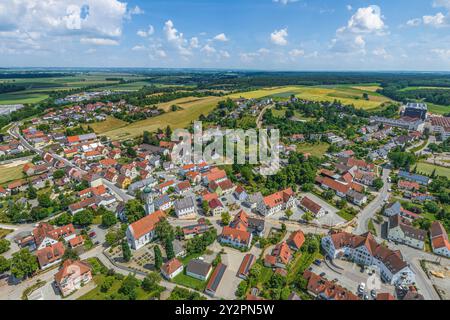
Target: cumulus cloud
x=295, y=53
x=278, y=37
x=209, y=50
x=414, y=22
x=146, y=33
x=438, y=20
x=442, y=53
x=176, y=38
x=221, y=37
x=44, y=22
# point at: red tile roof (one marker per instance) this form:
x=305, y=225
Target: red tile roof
x=50, y=254
x=146, y=224
x=171, y=266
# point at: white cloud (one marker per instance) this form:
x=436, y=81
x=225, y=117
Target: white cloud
x=146, y=33
x=278, y=37
x=224, y=54
x=176, y=38
x=359, y=41
x=209, y=50
x=99, y=41
x=349, y=7
x=366, y=20
x=438, y=20
x=284, y=2
x=413, y=22
x=295, y=53
x=442, y=53
x=381, y=52
x=221, y=37
x=194, y=43
x=44, y=23
x=134, y=11
x=138, y=48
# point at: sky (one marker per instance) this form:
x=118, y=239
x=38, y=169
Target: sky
x=292, y=35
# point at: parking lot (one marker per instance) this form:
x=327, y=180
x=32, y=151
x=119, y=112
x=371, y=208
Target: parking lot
x=351, y=277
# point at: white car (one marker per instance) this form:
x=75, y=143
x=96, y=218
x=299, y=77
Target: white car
x=361, y=287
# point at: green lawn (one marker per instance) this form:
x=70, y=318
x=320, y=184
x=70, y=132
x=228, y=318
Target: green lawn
x=427, y=169
x=8, y=173
x=187, y=281
x=301, y=263
x=316, y=149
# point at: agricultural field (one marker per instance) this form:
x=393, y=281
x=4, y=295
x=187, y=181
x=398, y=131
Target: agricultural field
x=438, y=109
x=8, y=172
x=110, y=123
x=428, y=168
x=346, y=94
x=178, y=119
x=315, y=149
x=184, y=103
x=22, y=97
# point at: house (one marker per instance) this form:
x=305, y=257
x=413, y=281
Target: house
x=280, y=257
x=276, y=202
x=310, y=206
x=401, y=230
x=72, y=276
x=123, y=181
x=240, y=194
x=76, y=242
x=214, y=175
x=396, y=208
x=194, y=177
x=215, y=279
x=82, y=205
x=246, y=264
x=408, y=185
x=296, y=240
x=364, y=250
x=50, y=255
x=356, y=197
x=183, y=187
x=142, y=232
x=171, y=268
x=323, y=289
x=163, y=203
x=165, y=186
x=45, y=234
x=216, y=207
x=198, y=269
x=422, y=180
x=439, y=239
x=245, y=223
x=185, y=208
x=194, y=230
x=240, y=239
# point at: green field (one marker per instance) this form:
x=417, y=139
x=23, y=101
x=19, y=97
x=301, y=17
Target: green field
x=22, y=97
x=438, y=109
x=110, y=123
x=345, y=94
x=316, y=149
x=8, y=173
x=427, y=168
x=187, y=281
x=177, y=119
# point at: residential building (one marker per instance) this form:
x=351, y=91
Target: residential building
x=50, y=255
x=72, y=276
x=236, y=238
x=171, y=268
x=439, y=239
x=246, y=264
x=198, y=269
x=215, y=279
x=296, y=240
x=364, y=250
x=323, y=289
x=185, y=208
x=310, y=206
x=276, y=202
x=401, y=230
x=280, y=257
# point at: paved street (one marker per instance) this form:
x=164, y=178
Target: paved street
x=371, y=209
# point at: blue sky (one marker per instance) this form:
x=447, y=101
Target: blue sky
x=238, y=34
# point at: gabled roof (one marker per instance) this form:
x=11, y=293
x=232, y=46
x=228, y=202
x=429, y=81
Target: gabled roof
x=70, y=267
x=146, y=224
x=296, y=239
x=171, y=266
x=311, y=205
x=50, y=254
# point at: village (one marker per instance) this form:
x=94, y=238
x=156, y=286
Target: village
x=112, y=210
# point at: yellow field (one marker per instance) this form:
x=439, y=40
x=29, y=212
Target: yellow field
x=347, y=95
x=109, y=124
x=185, y=103
x=178, y=119
x=10, y=173
x=193, y=107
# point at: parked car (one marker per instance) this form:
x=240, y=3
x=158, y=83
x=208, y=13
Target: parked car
x=373, y=293
x=317, y=262
x=361, y=287
x=323, y=274
x=92, y=235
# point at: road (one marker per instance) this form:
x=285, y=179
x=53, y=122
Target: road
x=261, y=114
x=369, y=212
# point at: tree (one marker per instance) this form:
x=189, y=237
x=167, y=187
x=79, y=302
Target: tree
x=4, y=245
x=378, y=184
x=328, y=194
x=158, y=258
x=134, y=210
x=70, y=254
x=151, y=282
x=83, y=218
x=288, y=213
x=226, y=218
x=108, y=219
x=32, y=193
x=44, y=200
x=402, y=159
x=169, y=249
x=5, y=264
x=63, y=219
x=58, y=174
x=432, y=206
x=168, y=132
x=129, y=286
x=23, y=264
x=205, y=207
x=164, y=231
x=107, y=284
x=126, y=251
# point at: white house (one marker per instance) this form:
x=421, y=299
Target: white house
x=185, y=208
x=439, y=239
x=276, y=202
x=401, y=230
x=364, y=250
